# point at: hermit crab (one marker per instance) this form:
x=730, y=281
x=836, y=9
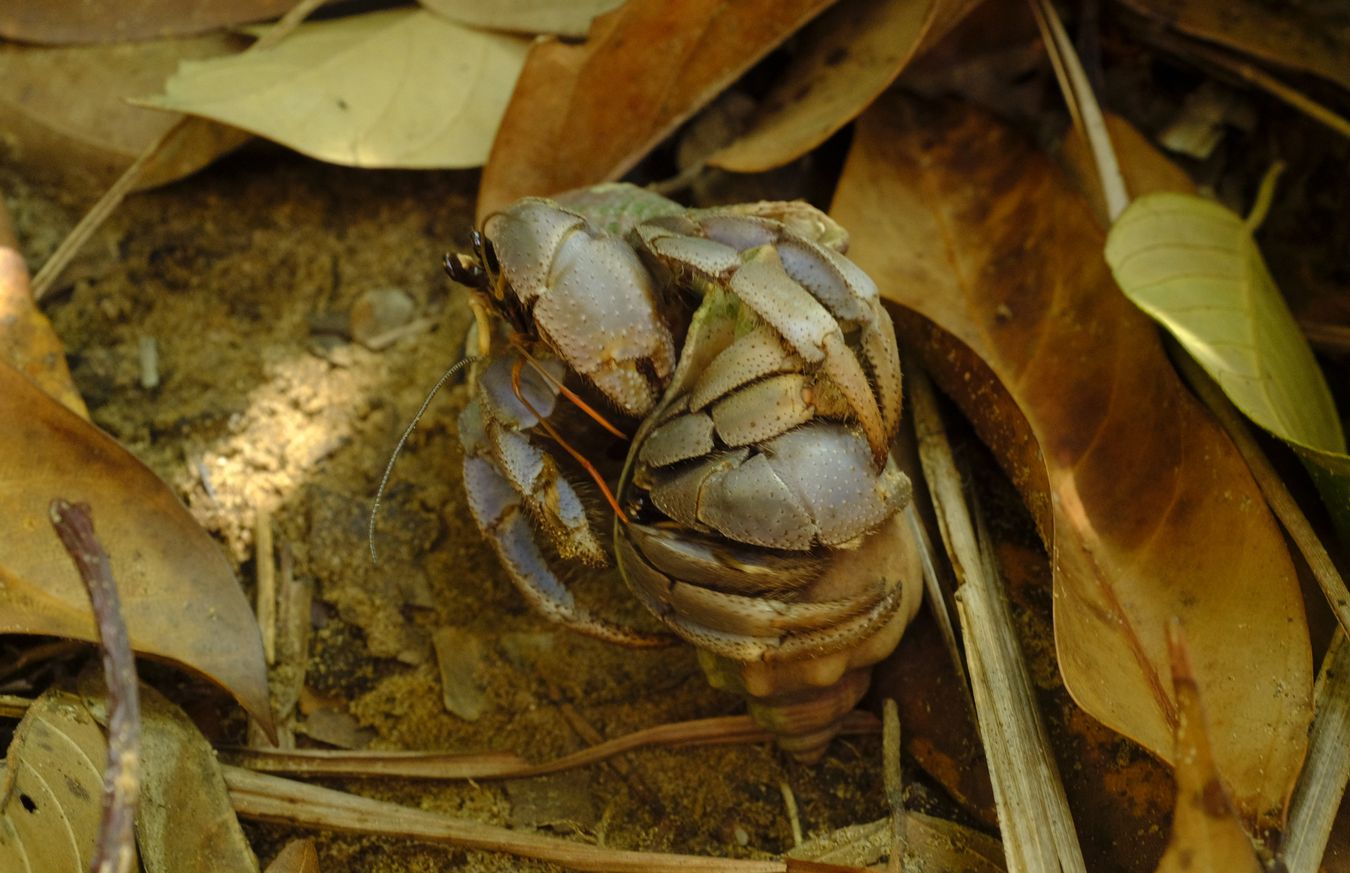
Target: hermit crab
x=758, y=512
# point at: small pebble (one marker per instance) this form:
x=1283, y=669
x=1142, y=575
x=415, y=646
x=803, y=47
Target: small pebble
x=742, y=836
x=379, y=311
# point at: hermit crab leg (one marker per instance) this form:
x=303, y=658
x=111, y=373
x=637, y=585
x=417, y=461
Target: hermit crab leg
x=497, y=507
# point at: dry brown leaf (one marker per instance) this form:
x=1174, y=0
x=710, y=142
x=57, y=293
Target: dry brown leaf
x=1206, y=834
x=1313, y=37
x=586, y=113
x=563, y=17
x=65, y=113
x=297, y=856
x=85, y=21
x=27, y=341
x=51, y=788
x=1148, y=508
x=848, y=57
x=179, y=595
x=185, y=820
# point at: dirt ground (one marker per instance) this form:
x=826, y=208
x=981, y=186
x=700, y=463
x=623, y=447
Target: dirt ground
x=244, y=276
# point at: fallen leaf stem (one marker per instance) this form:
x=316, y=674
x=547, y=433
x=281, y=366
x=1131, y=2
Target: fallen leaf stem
x=1264, y=196
x=115, y=847
x=272, y=798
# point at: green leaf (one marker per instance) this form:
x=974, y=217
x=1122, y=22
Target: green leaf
x=404, y=88
x=1194, y=266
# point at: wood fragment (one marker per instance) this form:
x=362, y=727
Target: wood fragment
x=271, y=798
x=895, y=788
x=148, y=355
x=115, y=847
x=293, y=627
x=14, y=706
x=1033, y=812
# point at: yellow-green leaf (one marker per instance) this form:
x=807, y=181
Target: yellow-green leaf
x=1194, y=266
x=404, y=88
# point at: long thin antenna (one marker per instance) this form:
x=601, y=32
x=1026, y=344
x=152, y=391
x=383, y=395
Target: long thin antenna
x=389, y=468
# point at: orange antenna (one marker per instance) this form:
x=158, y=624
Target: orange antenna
x=571, y=395
x=516, y=370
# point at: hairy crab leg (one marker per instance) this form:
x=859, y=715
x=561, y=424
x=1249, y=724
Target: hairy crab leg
x=497, y=508
x=576, y=455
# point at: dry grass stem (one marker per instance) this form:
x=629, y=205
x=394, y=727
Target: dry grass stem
x=1033, y=813
x=265, y=569
x=271, y=798
x=1321, y=786
x=1083, y=106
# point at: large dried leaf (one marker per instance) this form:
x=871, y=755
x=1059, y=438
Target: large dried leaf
x=403, y=88
x=586, y=113
x=27, y=340
x=297, y=856
x=1206, y=834
x=563, y=17
x=51, y=788
x=179, y=595
x=185, y=820
x=85, y=21
x=1310, y=36
x=1194, y=266
x=64, y=110
x=849, y=56
x=1148, y=508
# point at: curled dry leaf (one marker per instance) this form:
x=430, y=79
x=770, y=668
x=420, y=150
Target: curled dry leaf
x=86, y=21
x=403, y=88
x=848, y=57
x=1206, y=834
x=1148, y=509
x=1194, y=266
x=563, y=17
x=27, y=341
x=65, y=113
x=180, y=598
x=1302, y=36
x=586, y=113
x=51, y=785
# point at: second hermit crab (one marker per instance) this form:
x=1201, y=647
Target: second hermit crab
x=758, y=513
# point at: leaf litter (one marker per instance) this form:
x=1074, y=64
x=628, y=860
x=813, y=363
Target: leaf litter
x=389, y=710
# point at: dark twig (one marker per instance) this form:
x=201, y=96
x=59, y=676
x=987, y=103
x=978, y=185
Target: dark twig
x=114, y=849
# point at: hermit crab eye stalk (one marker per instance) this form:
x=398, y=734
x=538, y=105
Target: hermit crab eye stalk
x=466, y=270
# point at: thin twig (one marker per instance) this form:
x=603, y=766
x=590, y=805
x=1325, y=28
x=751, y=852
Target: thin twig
x=433, y=765
x=46, y=278
x=271, y=798
x=115, y=848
